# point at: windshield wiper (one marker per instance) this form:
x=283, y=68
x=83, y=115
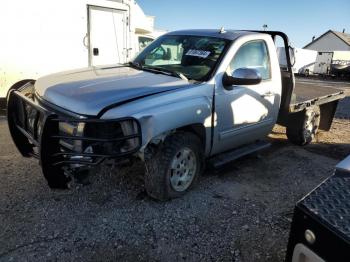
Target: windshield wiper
x=158, y=70
x=135, y=65
x=166, y=71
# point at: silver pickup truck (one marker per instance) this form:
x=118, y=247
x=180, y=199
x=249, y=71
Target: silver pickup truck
x=189, y=97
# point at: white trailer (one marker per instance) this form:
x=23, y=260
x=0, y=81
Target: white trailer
x=323, y=63
x=39, y=37
x=304, y=60
x=334, y=63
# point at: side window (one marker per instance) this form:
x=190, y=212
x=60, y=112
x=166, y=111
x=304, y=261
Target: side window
x=254, y=55
x=144, y=41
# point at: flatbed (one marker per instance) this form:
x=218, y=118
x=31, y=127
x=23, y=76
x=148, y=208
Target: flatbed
x=309, y=94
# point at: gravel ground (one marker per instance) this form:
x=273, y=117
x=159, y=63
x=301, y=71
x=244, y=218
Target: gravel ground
x=239, y=213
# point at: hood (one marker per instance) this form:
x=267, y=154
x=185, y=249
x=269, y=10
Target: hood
x=88, y=91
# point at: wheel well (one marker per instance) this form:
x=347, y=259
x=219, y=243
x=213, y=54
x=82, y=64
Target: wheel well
x=3, y=100
x=19, y=84
x=197, y=129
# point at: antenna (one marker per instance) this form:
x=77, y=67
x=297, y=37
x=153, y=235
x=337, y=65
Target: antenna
x=222, y=30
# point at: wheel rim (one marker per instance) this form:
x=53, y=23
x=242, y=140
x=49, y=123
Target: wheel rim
x=183, y=169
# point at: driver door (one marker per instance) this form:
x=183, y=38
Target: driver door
x=245, y=113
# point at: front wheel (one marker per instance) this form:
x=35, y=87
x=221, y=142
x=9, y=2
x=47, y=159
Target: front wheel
x=173, y=168
x=303, y=132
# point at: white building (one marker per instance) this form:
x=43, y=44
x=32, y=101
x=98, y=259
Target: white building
x=40, y=37
x=330, y=41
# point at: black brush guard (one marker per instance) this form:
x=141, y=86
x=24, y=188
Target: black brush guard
x=34, y=128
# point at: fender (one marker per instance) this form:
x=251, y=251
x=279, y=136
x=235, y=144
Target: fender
x=19, y=139
x=162, y=114
x=18, y=85
x=157, y=121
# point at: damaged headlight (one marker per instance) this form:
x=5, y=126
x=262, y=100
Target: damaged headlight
x=116, y=137
x=129, y=128
x=109, y=138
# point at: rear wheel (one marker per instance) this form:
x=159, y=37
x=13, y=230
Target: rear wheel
x=303, y=132
x=307, y=72
x=173, y=168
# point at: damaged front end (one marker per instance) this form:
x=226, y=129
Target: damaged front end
x=63, y=142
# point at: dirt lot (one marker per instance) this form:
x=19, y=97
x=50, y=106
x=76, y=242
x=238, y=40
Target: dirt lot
x=240, y=213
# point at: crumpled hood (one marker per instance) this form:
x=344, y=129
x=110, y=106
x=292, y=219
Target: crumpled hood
x=88, y=91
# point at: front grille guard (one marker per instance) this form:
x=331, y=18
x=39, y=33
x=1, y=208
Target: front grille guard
x=94, y=158
x=46, y=142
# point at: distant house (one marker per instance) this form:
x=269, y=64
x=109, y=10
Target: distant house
x=330, y=41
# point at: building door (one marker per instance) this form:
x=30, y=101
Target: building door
x=323, y=63
x=107, y=36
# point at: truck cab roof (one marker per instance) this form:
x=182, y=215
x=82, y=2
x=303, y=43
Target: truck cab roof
x=225, y=34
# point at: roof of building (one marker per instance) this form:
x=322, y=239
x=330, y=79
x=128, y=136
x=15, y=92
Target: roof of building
x=343, y=36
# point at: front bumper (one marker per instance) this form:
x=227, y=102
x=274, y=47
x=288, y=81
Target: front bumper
x=35, y=129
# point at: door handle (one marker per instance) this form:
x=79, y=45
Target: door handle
x=85, y=41
x=268, y=94
x=95, y=51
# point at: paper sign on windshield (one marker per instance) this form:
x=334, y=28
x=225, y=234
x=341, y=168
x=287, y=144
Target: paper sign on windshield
x=199, y=53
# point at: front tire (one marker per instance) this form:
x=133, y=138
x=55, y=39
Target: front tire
x=303, y=132
x=174, y=166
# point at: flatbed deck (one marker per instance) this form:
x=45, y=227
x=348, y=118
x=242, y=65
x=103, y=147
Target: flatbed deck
x=308, y=93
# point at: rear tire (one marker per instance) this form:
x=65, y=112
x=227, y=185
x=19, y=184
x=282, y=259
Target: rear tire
x=173, y=167
x=307, y=73
x=303, y=132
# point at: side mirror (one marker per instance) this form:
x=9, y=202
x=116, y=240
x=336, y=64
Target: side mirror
x=241, y=76
x=292, y=55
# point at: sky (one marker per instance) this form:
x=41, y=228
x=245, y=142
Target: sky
x=301, y=20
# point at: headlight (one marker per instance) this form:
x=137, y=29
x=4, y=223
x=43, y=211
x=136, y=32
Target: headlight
x=31, y=116
x=71, y=129
x=40, y=125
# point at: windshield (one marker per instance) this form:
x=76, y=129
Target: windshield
x=193, y=57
